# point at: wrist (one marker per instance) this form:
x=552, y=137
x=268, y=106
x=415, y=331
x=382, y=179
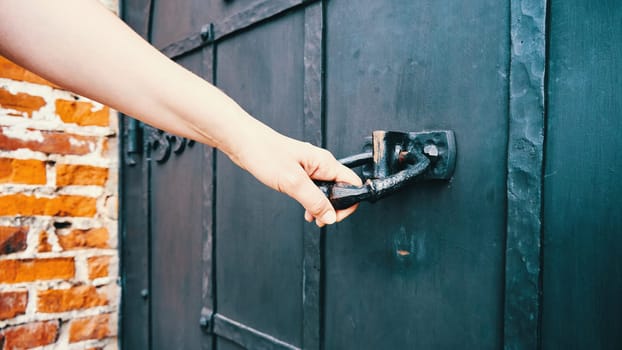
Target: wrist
x=250, y=141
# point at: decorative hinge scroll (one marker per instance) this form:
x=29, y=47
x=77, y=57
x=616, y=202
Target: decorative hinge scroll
x=161, y=144
x=158, y=144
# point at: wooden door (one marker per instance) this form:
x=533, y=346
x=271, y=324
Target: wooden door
x=518, y=250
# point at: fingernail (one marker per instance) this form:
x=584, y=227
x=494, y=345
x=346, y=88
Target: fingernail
x=329, y=217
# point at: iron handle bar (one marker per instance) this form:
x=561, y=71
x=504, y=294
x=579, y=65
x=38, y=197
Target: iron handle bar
x=342, y=195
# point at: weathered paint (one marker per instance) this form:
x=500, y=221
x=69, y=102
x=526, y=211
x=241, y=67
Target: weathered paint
x=524, y=182
x=441, y=264
x=312, y=130
x=582, y=264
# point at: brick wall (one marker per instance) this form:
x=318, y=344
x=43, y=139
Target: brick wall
x=58, y=216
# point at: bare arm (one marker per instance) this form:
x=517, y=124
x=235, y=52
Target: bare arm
x=80, y=45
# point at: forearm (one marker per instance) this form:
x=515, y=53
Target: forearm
x=123, y=71
x=80, y=45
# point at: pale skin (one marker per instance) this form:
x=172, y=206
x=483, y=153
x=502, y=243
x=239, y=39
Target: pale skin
x=80, y=45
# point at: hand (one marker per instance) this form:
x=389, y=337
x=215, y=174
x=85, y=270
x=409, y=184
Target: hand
x=289, y=166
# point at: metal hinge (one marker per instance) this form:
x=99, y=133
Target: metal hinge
x=158, y=144
x=207, y=320
x=133, y=146
x=162, y=144
x=241, y=334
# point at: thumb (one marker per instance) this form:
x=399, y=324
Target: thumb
x=301, y=188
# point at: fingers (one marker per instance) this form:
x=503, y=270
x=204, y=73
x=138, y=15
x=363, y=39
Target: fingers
x=345, y=174
x=308, y=216
x=300, y=187
x=342, y=214
x=329, y=169
x=313, y=163
x=324, y=166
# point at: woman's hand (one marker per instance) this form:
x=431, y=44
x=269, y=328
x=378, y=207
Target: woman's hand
x=289, y=166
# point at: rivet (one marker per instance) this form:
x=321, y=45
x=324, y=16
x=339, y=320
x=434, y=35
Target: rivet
x=431, y=150
x=144, y=293
x=204, y=321
x=205, y=32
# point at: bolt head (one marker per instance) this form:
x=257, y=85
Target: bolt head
x=431, y=150
x=205, y=32
x=204, y=321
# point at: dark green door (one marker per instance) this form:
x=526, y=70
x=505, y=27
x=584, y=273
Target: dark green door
x=518, y=250
x=423, y=269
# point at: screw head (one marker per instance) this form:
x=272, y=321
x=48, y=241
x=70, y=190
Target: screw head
x=144, y=293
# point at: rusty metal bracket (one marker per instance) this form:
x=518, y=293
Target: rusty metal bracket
x=398, y=159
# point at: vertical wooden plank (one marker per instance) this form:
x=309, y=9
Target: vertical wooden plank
x=582, y=275
x=178, y=216
x=136, y=14
x=524, y=179
x=422, y=269
x=134, y=222
x=313, y=59
x=134, y=218
x=259, y=235
x=176, y=19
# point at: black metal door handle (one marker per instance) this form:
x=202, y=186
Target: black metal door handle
x=397, y=159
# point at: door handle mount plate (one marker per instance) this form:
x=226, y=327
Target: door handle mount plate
x=439, y=146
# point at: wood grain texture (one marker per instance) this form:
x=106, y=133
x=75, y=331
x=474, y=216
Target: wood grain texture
x=177, y=252
x=423, y=268
x=134, y=216
x=259, y=235
x=582, y=281
x=313, y=123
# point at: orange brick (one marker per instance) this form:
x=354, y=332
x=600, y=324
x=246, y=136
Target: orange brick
x=44, y=245
x=30, y=335
x=28, y=270
x=96, y=327
x=20, y=102
x=22, y=171
x=82, y=113
x=13, y=304
x=20, y=204
x=12, y=239
x=12, y=71
x=76, y=298
x=53, y=142
x=70, y=174
x=77, y=239
x=98, y=266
